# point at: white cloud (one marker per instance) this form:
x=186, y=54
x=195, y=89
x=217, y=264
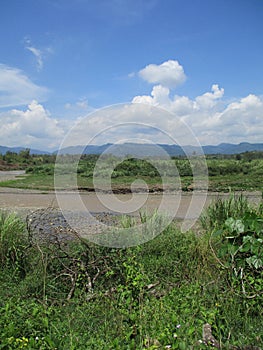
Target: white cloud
x=33, y=127
x=169, y=74
x=76, y=109
x=209, y=99
x=82, y=104
x=17, y=89
x=159, y=96
x=38, y=54
x=211, y=118
x=248, y=102
x=236, y=122
x=233, y=122
x=131, y=75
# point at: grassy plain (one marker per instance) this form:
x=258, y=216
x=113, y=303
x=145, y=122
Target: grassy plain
x=235, y=173
x=219, y=183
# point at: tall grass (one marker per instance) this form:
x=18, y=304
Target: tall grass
x=221, y=209
x=12, y=238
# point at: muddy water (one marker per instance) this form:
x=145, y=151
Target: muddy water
x=179, y=205
x=176, y=204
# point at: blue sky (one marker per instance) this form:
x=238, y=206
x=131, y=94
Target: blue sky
x=62, y=59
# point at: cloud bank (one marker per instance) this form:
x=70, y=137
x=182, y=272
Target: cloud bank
x=212, y=118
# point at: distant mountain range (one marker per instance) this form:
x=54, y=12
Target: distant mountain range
x=143, y=150
x=4, y=149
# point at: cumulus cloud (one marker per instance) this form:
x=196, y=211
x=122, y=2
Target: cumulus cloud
x=169, y=74
x=212, y=119
x=33, y=127
x=209, y=99
x=17, y=89
x=160, y=96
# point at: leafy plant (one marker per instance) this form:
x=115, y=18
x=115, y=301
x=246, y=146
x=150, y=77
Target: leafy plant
x=240, y=248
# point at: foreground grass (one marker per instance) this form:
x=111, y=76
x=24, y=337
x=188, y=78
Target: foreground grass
x=155, y=296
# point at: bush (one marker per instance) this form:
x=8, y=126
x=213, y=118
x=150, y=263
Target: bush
x=41, y=169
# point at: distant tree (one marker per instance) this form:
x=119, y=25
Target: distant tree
x=25, y=154
x=10, y=157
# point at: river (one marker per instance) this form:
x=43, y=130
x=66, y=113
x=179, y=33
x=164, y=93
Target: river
x=177, y=204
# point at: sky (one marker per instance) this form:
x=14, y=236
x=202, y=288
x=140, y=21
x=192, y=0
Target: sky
x=64, y=61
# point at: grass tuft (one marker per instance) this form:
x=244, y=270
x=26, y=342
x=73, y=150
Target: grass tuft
x=234, y=206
